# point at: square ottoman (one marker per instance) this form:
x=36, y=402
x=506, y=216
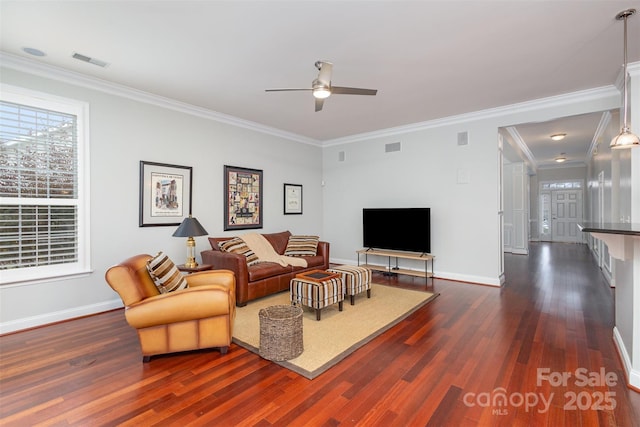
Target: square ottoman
x=356, y=279
x=317, y=294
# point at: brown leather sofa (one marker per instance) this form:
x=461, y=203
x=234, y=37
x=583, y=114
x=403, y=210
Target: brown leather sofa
x=198, y=317
x=264, y=278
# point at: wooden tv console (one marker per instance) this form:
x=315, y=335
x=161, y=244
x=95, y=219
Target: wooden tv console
x=427, y=258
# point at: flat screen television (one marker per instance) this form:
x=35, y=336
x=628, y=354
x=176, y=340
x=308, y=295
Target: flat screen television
x=403, y=229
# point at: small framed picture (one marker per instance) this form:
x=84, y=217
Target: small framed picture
x=165, y=194
x=292, y=199
x=243, y=198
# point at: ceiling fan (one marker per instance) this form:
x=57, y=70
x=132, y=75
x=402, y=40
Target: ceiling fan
x=322, y=88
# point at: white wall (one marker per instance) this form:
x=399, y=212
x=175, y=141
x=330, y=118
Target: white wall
x=423, y=174
x=621, y=170
x=627, y=272
x=464, y=217
x=124, y=132
x=615, y=165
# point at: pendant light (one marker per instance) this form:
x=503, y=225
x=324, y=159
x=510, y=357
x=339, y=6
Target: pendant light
x=626, y=138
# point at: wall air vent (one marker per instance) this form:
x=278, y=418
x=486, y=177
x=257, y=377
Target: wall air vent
x=89, y=59
x=390, y=148
x=463, y=138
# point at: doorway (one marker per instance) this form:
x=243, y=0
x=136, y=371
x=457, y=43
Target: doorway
x=561, y=211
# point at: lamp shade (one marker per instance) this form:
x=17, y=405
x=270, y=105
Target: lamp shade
x=190, y=227
x=625, y=139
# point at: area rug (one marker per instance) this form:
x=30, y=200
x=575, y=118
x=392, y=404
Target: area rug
x=338, y=333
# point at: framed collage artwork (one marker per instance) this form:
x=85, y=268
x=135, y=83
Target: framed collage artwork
x=243, y=198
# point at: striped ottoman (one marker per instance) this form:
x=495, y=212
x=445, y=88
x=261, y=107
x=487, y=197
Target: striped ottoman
x=356, y=279
x=317, y=294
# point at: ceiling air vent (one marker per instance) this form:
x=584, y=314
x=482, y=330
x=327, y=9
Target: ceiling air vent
x=89, y=59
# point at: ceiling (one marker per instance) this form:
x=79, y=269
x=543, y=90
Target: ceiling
x=580, y=135
x=428, y=59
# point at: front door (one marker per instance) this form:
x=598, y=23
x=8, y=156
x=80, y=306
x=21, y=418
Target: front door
x=566, y=213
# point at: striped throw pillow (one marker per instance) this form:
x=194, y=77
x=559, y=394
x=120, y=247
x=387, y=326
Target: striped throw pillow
x=165, y=274
x=302, y=246
x=238, y=246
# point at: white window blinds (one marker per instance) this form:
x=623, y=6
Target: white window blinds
x=41, y=207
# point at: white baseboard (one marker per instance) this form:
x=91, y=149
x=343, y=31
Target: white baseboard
x=440, y=274
x=633, y=376
x=57, y=316
x=519, y=251
x=469, y=279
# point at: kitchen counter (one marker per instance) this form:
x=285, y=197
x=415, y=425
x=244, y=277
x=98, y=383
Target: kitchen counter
x=614, y=235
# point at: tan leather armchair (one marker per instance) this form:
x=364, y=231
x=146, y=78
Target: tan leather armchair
x=198, y=317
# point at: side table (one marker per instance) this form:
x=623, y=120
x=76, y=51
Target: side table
x=280, y=332
x=189, y=270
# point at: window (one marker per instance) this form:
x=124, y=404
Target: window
x=44, y=218
x=545, y=215
x=561, y=185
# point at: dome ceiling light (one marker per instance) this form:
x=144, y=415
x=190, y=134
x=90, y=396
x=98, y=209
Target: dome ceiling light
x=561, y=158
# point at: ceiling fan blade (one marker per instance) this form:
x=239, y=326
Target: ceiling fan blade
x=321, y=87
x=283, y=90
x=326, y=69
x=352, y=91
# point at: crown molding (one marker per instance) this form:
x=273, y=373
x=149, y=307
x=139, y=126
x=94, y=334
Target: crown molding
x=600, y=130
x=567, y=164
x=633, y=69
x=56, y=73
x=534, y=105
x=37, y=68
x=522, y=146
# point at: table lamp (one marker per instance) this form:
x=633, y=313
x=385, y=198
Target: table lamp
x=190, y=227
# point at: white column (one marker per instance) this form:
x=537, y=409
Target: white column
x=627, y=328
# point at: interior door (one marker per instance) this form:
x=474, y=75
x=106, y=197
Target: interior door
x=566, y=213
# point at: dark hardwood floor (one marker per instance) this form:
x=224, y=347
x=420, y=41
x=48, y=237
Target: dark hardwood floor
x=475, y=356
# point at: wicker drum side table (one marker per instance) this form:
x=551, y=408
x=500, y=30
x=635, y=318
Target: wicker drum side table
x=280, y=332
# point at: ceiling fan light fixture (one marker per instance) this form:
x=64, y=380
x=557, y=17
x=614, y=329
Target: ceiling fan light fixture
x=626, y=138
x=321, y=91
x=558, y=136
x=321, y=87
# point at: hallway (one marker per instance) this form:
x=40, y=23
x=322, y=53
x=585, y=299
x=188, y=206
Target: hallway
x=567, y=316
